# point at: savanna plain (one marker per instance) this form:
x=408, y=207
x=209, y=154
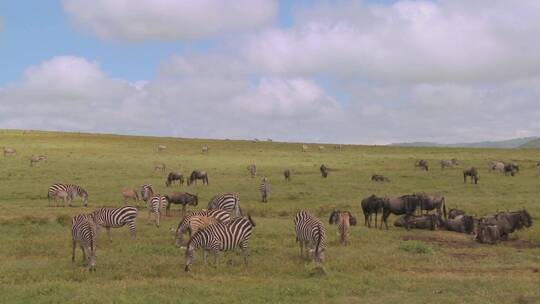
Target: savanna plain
x=378, y=266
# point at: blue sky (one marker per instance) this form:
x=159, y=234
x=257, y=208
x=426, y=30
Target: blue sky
x=328, y=71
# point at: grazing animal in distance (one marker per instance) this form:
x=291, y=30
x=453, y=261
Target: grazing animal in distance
x=196, y=175
x=344, y=219
x=472, y=172
x=423, y=164
x=252, y=169
x=496, y=166
x=229, y=202
x=405, y=204
x=287, y=174
x=453, y=213
x=379, y=178
x=305, y=148
x=173, y=177
x=221, y=237
x=161, y=148
x=60, y=194
x=155, y=204
x=371, y=205
x=264, y=188
x=448, y=163
x=205, y=149
x=324, y=171
x=115, y=218
x=37, y=158
x=147, y=191
x=195, y=221
x=83, y=232
x=71, y=189
x=160, y=167
x=321, y=148
x=428, y=221
x=9, y=151
x=311, y=234
x=511, y=169
x=130, y=194
x=338, y=147
x=182, y=198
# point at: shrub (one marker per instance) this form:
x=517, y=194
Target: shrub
x=416, y=247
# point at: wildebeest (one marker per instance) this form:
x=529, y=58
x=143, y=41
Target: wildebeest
x=252, y=169
x=430, y=202
x=196, y=175
x=508, y=222
x=453, y=213
x=461, y=223
x=129, y=194
x=379, y=178
x=161, y=148
x=496, y=166
x=473, y=173
x=371, y=205
x=448, y=163
x=423, y=164
x=160, y=167
x=405, y=204
x=173, y=177
x=182, y=198
x=488, y=234
x=9, y=151
x=427, y=221
x=204, y=149
x=324, y=171
x=37, y=158
x=287, y=174
x=511, y=169
x=305, y=148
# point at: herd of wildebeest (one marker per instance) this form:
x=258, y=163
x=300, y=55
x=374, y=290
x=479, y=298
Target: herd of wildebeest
x=223, y=226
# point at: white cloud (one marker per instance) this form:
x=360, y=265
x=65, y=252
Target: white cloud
x=168, y=19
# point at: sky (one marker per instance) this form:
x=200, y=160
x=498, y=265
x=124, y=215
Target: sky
x=361, y=72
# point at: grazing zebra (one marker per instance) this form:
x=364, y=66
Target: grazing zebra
x=36, y=159
x=161, y=148
x=195, y=221
x=160, y=167
x=344, y=219
x=310, y=233
x=450, y=163
x=264, y=188
x=252, y=169
x=305, y=148
x=155, y=204
x=115, y=218
x=71, y=189
x=146, y=192
x=221, y=237
x=287, y=174
x=9, y=151
x=60, y=194
x=321, y=148
x=229, y=202
x=205, y=149
x=83, y=231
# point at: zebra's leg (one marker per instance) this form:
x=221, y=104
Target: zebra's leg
x=73, y=254
x=205, y=256
x=158, y=216
x=215, y=253
x=83, y=255
x=109, y=233
x=132, y=231
x=245, y=254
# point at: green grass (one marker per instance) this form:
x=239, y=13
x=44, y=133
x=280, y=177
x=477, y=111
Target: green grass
x=393, y=266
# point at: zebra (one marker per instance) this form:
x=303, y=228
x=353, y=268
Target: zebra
x=344, y=219
x=229, y=202
x=264, y=188
x=71, y=189
x=205, y=149
x=115, y=218
x=9, y=151
x=221, y=237
x=37, y=158
x=161, y=148
x=60, y=194
x=252, y=170
x=310, y=233
x=197, y=220
x=83, y=231
x=146, y=192
x=155, y=204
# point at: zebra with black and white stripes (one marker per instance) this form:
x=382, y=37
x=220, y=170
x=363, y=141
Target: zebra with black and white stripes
x=147, y=192
x=226, y=201
x=221, y=237
x=71, y=189
x=197, y=220
x=155, y=204
x=115, y=218
x=264, y=188
x=310, y=233
x=83, y=232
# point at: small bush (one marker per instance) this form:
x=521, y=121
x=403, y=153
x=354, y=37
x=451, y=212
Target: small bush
x=415, y=247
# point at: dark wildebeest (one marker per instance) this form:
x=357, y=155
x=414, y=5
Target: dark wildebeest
x=488, y=234
x=422, y=164
x=371, y=205
x=508, y=222
x=428, y=221
x=473, y=173
x=287, y=174
x=511, y=169
x=182, y=198
x=196, y=175
x=448, y=163
x=461, y=223
x=379, y=178
x=453, y=213
x=430, y=202
x=324, y=171
x=173, y=177
x=405, y=204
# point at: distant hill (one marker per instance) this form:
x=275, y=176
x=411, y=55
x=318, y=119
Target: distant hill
x=524, y=142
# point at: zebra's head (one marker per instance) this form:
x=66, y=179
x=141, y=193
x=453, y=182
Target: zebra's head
x=92, y=260
x=84, y=196
x=189, y=255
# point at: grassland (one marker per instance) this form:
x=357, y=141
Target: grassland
x=379, y=266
